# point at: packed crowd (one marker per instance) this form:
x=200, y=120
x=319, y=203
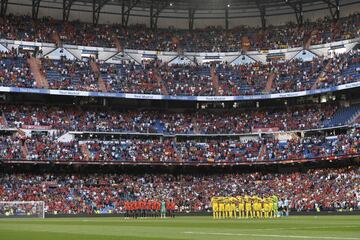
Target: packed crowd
x=11, y=147
x=187, y=80
x=46, y=148
x=248, y=79
x=299, y=75
x=131, y=77
x=233, y=121
x=69, y=75
x=155, y=77
x=139, y=149
x=132, y=150
x=312, y=147
x=15, y=70
x=327, y=189
x=325, y=30
x=200, y=40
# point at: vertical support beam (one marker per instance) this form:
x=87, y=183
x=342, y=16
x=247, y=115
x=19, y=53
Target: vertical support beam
x=337, y=9
x=3, y=9
x=126, y=9
x=97, y=6
x=191, y=19
x=123, y=13
x=152, y=15
x=262, y=10
x=300, y=15
x=155, y=12
x=66, y=9
x=227, y=18
x=94, y=5
x=297, y=6
x=35, y=8
x=156, y=22
x=334, y=8
x=262, y=15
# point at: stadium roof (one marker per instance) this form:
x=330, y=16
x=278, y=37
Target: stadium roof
x=188, y=9
x=207, y=4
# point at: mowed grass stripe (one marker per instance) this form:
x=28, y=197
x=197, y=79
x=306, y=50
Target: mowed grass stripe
x=271, y=236
x=9, y=235
x=179, y=228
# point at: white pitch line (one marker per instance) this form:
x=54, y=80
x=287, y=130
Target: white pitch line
x=304, y=228
x=271, y=235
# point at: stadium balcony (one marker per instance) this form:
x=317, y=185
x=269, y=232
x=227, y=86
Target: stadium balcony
x=41, y=135
x=233, y=122
x=158, y=80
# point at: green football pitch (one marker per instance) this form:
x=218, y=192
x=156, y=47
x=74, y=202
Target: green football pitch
x=310, y=227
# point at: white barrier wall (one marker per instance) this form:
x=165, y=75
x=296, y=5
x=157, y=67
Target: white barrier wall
x=112, y=55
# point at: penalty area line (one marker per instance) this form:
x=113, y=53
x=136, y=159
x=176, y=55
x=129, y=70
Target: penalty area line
x=271, y=235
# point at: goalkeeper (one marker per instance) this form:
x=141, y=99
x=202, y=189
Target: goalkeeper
x=275, y=206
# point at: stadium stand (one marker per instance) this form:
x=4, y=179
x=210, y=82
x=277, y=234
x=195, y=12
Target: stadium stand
x=211, y=39
x=84, y=129
x=15, y=71
x=190, y=80
x=343, y=116
x=98, y=193
x=70, y=75
x=140, y=149
x=203, y=122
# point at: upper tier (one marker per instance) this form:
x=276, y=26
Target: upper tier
x=212, y=39
x=161, y=80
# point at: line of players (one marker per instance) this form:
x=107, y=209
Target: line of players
x=246, y=207
x=149, y=208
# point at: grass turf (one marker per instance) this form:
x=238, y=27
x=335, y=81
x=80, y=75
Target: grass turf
x=309, y=227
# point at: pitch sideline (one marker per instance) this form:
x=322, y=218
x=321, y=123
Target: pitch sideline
x=271, y=235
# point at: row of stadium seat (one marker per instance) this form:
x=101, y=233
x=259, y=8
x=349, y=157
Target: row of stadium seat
x=155, y=77
x=201, y=40
x=234, y=121
x=139, y=149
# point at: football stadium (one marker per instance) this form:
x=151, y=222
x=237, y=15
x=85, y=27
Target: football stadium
x=179, y=119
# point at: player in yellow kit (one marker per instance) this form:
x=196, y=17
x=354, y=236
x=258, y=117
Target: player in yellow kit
x=222, y=207
x=215, y=207
x=248, y=207
x=241, y=207
x=244, y=207
x=231, y=207
x=265, y=208
x=227, y=207
x=271, y=207
x=257, y=207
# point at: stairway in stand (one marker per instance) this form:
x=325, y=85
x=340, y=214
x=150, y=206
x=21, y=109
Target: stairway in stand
x=56, y=38
x=118, y=45
x=214, y=79
x=95, y=69
x=307, y=43
x=321, y=75
x=3, y=121
x=270, y=82
x=35, y=66
x=24, y=148
x=85, y=151
x=160, y=83
x=262, y=152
